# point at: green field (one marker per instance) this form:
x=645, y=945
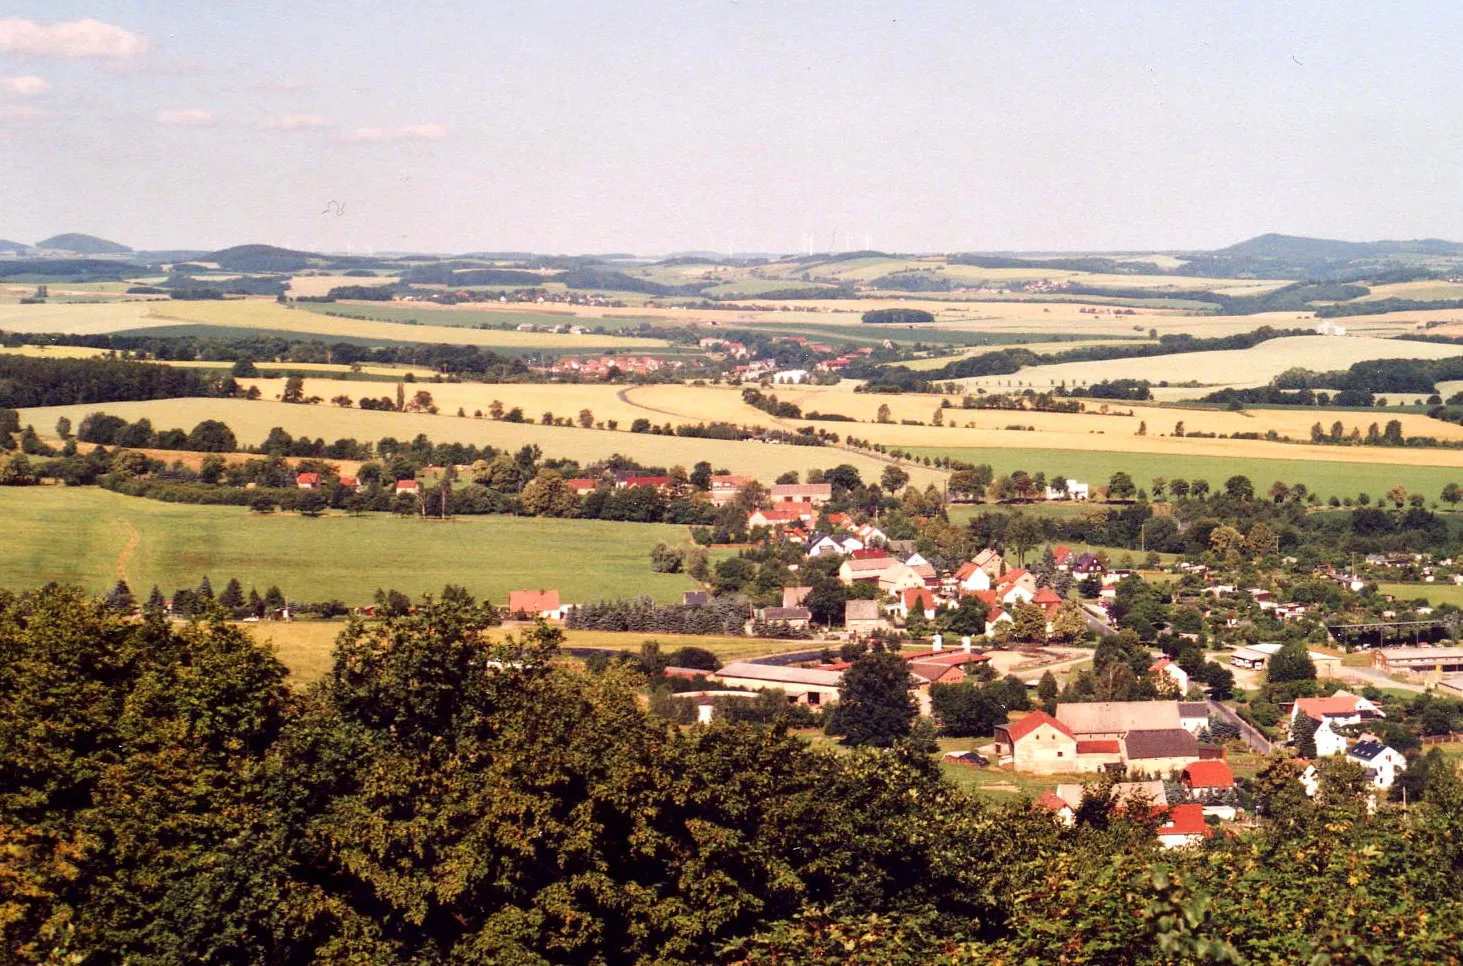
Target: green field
x=91, y=537
x=251, y=422
x=472, y=318
x=1439, y=593
x=1097, y=467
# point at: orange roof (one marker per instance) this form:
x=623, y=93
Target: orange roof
x=533, y=601
x=965, y=570
x=406, y=485
x=1160, y=664
x=308, y=478
x=347, y=481
x=1210, y=773
x=987, y=596
x=1046, y=596
x=1011, y=576
x=1050, y=801
x=1098, y=746
x=916, y=595
x=1017, y=730
x=1337, y=704
x=1186, y=819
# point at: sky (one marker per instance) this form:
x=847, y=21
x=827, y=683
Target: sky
x=657, y=126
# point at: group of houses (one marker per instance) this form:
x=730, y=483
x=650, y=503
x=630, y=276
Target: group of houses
x=1136, y=737
x=1381, y=762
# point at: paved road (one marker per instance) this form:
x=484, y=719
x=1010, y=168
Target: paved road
x=1368, y=675
x=1247, y=731
x=1097, y=620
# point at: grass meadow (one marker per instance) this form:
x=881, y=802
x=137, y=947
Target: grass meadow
x=1326, y=478
x=91, y=537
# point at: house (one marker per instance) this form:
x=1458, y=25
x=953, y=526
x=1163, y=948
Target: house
x=842, y=546
x=308, y=481
x=536, y=603
x=1037, y=743
x=1382, y=763
x=913, y=599
x=1063, y=557
x=1060, y=810
x=583, y=486
x=1076, y=490
x=899, y=576
x=802, y=685
x=1086, y=566
x=871, y=535
x=1341, y=708
x=410, y=487
x=815, y=494
x=1113, y=719
x=1149, y=794
x=991, y=562
x=993, y=618
x=1049, y=601
x=863, y=617
x=794, y=596
x=1185, y=827
x=1159, y=751
x=625, y=482
x=351, y=483
x=970, y=577
x=799, y=617
x=1207, y=777
x=1166, y=668
x=1328, y=742
x=1193, y=716
x=724, y=489
x=864, y=571
x=775, y=517
x=944, y=667
x=1016, y=587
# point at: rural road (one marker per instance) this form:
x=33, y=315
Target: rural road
x=133, y=539
x=1367, y=675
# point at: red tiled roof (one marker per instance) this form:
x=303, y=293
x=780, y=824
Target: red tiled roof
x=533, y=601
x=647, y=481
x=1017, y=730
x=1211, y=773
x=1011, y=576
x=1160, y=664
x=1098, y=746
x=405, y=485
x=1186, y=819
x=965, y=570
x=917, y=595
x=348, y=481
x=310, y=478
x=1046, y=596
x=870, y=553
x=1050, y=801
x=1335, y=705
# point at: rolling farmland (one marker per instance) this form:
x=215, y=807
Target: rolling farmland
x=92, y=537
x=251, y=421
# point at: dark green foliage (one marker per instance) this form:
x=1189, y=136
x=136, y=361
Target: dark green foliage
x=875, y=707
x=897, y=317
x=29, y=381
x=1291, y=663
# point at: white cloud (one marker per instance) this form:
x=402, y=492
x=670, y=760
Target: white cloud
x=74, y=39
x=411, y=132
x=187, y=117
x=295, y=122
x=23, y=86
x=23, y=112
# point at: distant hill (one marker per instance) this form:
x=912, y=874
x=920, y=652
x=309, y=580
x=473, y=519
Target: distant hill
x=10, y=246
x=260, y=258
x=83, y=244
x=1300, y=249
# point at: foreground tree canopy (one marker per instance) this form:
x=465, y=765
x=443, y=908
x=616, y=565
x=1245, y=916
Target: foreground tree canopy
x=444, y=796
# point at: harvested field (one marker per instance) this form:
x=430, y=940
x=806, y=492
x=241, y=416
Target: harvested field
x=251, y=422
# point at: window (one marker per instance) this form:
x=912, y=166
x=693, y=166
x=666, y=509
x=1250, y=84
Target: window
x=814, y=697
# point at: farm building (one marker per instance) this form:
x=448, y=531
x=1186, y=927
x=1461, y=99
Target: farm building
x=791, y=616
x=862, y=616
x=801, y=684
x=1113, y=719
x=1446, y=660
x=815, y=493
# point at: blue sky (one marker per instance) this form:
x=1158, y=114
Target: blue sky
x=732, y=125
